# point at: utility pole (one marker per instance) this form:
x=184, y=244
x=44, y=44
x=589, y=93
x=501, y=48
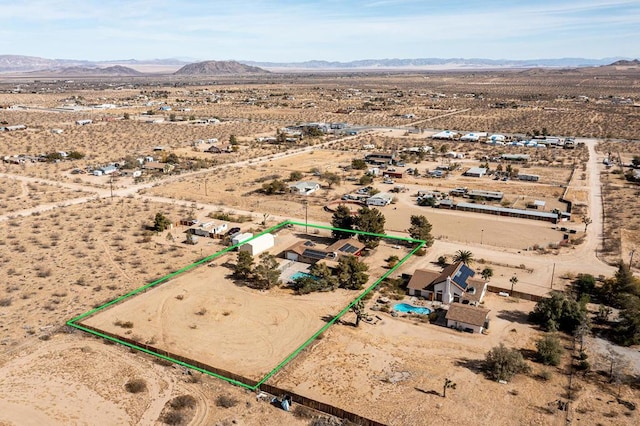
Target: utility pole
x=631, y=258
x=553, y=272
x=111, y=184
x=481, y=235
x=306, y=215
x=205, y=187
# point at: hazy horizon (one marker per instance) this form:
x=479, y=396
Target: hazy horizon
x=331, y=30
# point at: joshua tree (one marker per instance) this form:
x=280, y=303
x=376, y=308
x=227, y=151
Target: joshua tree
x=587, y=221
x=513, y=281
x=448, y=384
x=464, y=256
x=358, y=309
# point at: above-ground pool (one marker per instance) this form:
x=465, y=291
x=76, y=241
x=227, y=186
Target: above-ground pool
x=300, y=274
x=405, y=307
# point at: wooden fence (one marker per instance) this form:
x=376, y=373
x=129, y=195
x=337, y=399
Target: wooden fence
x=270, y=389
x=515, y=293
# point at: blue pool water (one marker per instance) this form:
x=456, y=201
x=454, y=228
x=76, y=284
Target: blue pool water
x=405, y=307
x=302, y=275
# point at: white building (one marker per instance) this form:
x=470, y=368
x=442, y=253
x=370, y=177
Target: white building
x=467, y=318
x=380, y=199
x=304, y=187
x=446, y=134
x=259, y=244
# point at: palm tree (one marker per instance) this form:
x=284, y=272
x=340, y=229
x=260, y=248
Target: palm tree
x=513, y=281
x=464, y=256
x=487, y=273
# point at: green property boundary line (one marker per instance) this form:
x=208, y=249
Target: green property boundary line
x=75, y=322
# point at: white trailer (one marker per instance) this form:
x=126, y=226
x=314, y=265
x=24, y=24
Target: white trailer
x=258, y=245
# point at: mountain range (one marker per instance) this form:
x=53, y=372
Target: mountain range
x=21, y=64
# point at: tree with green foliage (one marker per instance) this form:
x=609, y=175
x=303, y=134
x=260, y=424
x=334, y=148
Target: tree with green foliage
x=421, y=229
x=276, y=186
x=233, y=140
x=549, y=350
x=513, y=280
x=244, y=266
x=487, y=273
x=352, y=273
x=358, y=164
x=628, y=330
x=342, y=219
x=370, y=220
x=427, y=202
x=502, y=363
x=464, y=256
x=331, y=179
x=161, y=222
x=75, y=155
x=295, y=176
x=584, y=284
x=558, y=313
x=267, y=272
x=324, y=275
x=365, y=179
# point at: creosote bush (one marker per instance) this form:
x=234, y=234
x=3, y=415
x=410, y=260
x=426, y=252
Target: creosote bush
x=136, y=386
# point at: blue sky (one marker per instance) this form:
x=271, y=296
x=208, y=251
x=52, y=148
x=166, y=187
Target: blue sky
x=340, y=30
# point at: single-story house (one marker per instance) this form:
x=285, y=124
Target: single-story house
x=380, y=199
x=453, y=154
x=131, y=172
x=446, y=134
x=304, y=187
x=162, y=167
x=485, y=195
x=380, y=157
x=515, y=157
x=476, y=172
x=393, y=174
x=473, y=137
x=528, y=178
x=496, y=138
x=467, y=318
x=310, y=252
x=218, y=149
x=14, y=128
x=456, y=283
x=83, y=122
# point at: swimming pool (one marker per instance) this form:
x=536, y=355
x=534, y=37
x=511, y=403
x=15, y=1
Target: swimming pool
x=301, y=274
x=405, y=307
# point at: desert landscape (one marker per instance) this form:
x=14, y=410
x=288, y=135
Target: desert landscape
x=110, y=183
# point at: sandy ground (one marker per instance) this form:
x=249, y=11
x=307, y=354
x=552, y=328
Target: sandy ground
x=63, y=251
x=400, y=360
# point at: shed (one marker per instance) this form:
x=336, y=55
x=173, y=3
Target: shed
x=259, y=244
x=239, y=238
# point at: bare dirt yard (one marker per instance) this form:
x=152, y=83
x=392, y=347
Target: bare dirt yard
x=405, y=359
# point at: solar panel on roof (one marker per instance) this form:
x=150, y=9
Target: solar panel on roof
x=348, y=248
x=462, y=275
x=314, y=254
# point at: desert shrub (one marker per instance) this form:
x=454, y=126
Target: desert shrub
x=136, y=386
x=583, y=365
x=303, y=412
x=549, y=350
x=173, y=418
x=502, y=363
x=6, y=301
x=545, y=375
x=123, y=324
x=558, y=313
x=226, y=401
x=183, y=401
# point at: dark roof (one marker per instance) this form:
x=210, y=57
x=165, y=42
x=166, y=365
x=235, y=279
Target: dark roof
x=460, y=274
x=467, y=314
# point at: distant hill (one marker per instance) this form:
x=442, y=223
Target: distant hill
x=625, y=63
x=436, y=63
x=114, y=71
x=18, y=63
x=218, y=68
